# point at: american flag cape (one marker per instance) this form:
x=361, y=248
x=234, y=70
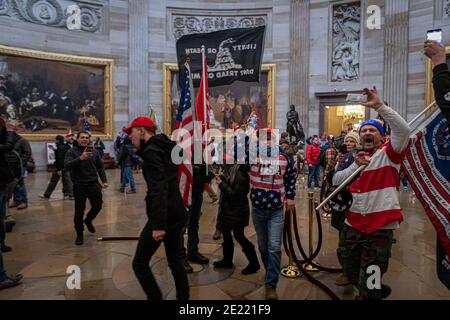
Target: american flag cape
x=87, y=127
x=185, y=121
x=427, y=167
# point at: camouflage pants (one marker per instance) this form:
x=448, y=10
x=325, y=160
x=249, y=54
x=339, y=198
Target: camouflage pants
x=358, y=251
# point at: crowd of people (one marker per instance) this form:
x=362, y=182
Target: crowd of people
x=366, y=212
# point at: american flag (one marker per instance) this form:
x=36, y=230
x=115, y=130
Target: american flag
x=426, y=167
x=87, y=127
x=185, y=121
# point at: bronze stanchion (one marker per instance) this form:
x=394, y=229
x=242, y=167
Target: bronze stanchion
x=291, y=271
x=308, y=265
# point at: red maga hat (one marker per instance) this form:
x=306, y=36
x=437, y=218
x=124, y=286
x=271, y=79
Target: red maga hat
x=140, y=122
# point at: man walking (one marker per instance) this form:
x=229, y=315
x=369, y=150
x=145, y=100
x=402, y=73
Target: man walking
x=272, y=187
x=164, y=207
x=85, y=167
x=60, y=173
x=23, y=148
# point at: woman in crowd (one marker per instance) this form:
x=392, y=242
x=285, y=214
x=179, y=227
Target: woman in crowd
x=234, y=185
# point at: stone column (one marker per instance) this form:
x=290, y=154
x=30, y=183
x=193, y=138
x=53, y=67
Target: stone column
x=138, y=87
x=299, y=59
x=395, y=83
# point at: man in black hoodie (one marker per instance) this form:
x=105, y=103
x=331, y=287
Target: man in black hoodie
x=85, y=166
x=60, y=173
x=164, y=208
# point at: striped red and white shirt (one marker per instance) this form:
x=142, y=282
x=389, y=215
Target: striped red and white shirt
x=376, y=203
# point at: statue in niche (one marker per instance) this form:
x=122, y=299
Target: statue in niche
x=294, y=127
x=346, y=42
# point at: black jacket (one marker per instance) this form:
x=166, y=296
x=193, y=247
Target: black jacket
x=441, y=84
x=84, y=172
x=235, y=210
x=22, y=146
x=60, y=154
x=164, y=205
x=6, y=144
x=200, y=177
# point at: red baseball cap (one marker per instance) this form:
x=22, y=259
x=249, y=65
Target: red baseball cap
x=140, y=122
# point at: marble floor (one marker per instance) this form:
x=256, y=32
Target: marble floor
x=43, y=248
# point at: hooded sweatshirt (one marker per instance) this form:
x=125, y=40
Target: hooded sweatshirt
x=164, y=205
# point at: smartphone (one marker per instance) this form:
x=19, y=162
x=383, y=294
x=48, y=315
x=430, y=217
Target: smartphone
x=435, y=35
x=89, y=149
x=356, y=98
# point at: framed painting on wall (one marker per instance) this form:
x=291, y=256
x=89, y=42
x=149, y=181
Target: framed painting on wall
x=231, y=105
x=49, y=93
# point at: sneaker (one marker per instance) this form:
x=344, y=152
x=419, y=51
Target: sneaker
x=11, y=281
x=342, y=280
x=5, y=248
x=79, y=240
x=22, y=206
x=217, y=235
x=250, y=269
x=89, y=226
x=13, y=205
x=198, y=258
x=133, y=191
x=271, y=294
x=43, y=196
x=188, y=267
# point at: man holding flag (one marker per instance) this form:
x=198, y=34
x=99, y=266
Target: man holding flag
x=434, y=134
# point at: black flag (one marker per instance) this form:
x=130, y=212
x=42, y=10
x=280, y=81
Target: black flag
x=233, y=54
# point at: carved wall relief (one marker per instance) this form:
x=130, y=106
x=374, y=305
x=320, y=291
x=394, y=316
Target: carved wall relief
x=52, y=12
x=186, y=24
x=346, y=36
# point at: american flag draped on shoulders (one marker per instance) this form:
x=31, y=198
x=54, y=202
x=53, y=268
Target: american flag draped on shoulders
x=426, y=166
x=185, y=120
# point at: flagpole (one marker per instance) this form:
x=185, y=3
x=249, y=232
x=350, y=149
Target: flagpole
x=360, y=169
x=204, y=75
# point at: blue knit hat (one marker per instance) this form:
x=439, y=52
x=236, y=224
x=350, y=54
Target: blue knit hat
x=375, y=123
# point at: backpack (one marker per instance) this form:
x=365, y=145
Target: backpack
x=322, y=158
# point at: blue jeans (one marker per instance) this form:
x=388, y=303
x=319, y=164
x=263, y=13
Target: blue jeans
x=20, y=191
x=127, y=177
x=314, y=173
x=192, y=223
x=2, y=228
x=269, y=225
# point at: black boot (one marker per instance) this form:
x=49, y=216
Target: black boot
x=227, y=261
x=79, y=241
x=253, y=264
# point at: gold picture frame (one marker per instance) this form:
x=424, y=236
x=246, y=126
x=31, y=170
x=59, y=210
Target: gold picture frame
x=170, y=68
x=429, y=90
x=100, y=116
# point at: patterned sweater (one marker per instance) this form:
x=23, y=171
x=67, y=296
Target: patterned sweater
x=273, y=184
